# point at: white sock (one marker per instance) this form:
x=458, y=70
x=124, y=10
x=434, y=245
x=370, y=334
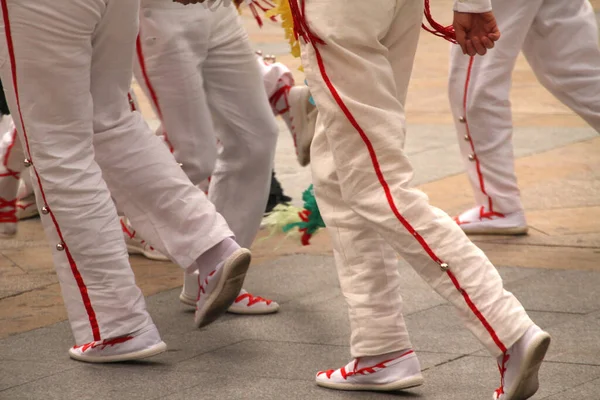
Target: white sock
x=214, y=257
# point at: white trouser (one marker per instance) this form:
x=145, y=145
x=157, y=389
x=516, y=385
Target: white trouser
x=560, y=41
x=198, y=69
x=74, y=121
x=359, y=79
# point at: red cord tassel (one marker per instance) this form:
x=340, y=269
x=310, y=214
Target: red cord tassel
x=264, y=8
x=446, y=32
x=301, y=28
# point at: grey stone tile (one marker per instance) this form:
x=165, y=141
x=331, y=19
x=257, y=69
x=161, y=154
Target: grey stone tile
x=440, y=330
x=294, y=277
x=274, y=389
x=131, y=381
x=242, y=388
x=283, y=360
x=586, y=391
x=476, y=378
x=577, y=341
x=559, y=291
x=515, y=274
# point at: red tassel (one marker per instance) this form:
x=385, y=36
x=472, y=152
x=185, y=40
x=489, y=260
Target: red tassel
x=264, y=8
x=446, y=32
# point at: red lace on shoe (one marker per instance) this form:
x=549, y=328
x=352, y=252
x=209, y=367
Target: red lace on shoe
x=282, y=91
x=10, y=215
x=105, y=343
x=363, y=371
x=132, y=235
x=252, y=300
x=502, y=368
x=201, y=286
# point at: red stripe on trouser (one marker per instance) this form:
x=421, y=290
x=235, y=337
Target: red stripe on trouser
x=391, y=202
x=476, y=158
x=152, y=92
x=82, y=288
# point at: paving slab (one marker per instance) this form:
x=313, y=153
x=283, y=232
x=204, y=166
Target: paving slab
x=577, y=341
x=559, y=291
x=476, y=378
x=588, y=390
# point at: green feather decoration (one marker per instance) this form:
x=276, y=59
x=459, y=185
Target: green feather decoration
x=311, y=220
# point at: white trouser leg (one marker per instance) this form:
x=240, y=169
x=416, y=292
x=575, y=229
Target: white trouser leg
x=562, y=48
x=97, y=283
x=207, y=85
x=240, y=183
x=169, y=69
x=364, y=126
x=374, y=300
x=479, y=89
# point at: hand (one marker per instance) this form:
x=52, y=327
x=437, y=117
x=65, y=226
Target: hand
x=475, y=33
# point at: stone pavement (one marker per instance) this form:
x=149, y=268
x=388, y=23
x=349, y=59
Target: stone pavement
x=555, y=271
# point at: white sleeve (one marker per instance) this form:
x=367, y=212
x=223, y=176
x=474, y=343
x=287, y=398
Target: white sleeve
x=473, y=6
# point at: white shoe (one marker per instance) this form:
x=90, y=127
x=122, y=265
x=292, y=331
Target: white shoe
x=8, y=205
x=303, y=118
x=520, y=364
x=27, y=208
x=137, y=245
x=219, y=290
x=144, y=343
x=479, y=221
x=245, y=303
x=399, y=373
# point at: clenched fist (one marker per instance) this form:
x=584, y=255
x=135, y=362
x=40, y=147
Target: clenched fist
x=475, y=33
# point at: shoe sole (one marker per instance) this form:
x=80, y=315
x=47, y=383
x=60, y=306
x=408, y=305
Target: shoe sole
x=402, y=384
x=254, y=311
x=227, y=290
x=134, y=250
x=527, y=380
x=517, y=231
x=25, y=214
x=136, y=355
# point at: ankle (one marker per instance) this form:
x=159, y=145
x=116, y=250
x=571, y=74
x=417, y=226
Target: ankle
x=210, y=259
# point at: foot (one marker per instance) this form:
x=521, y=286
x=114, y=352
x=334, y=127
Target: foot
x=220, y=288
x=141, y=344
x=26, y=207
x=396, y=371
x=137, y=245
x=479, y=221
x=8, y=205
x=520, y=364
x=303, y=117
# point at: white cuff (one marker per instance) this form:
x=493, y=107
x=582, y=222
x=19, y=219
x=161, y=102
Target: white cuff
x=473, y=6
